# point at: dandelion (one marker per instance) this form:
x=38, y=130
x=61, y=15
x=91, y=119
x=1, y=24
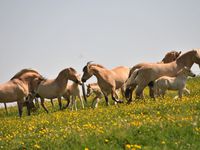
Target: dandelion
x=37, y=146
x=163, y=142
x=86, y=148
x=137, y=146
x=106, y=140
x=128, y=146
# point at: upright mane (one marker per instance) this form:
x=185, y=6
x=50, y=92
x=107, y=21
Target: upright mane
x=98, y=65
x=20, y=73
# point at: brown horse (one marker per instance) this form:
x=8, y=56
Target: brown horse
x=19, y=87
x=169, y=57
x=108, y=80
x=149, y=73
x=55, y=88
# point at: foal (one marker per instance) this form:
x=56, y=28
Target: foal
x=72, y=91
x=94, y=88
x=173, y=83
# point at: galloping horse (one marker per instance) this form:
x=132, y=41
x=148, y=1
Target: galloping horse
x=149, y=73
x=19, y=87
x=169, y=57
x=108, y=80
x=55, y=88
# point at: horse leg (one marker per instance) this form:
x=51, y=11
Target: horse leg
x=75, y=103
x=106, y=98
x=151, y=89
x=42, y=103
x=60, y=103
x=180, y=93
x=81, y=101
x=20, y=108
x=6, y=108
x=113, y=93
x=52, y=104
x=185, y=90
x=129, y=93
x=139, y=91
x=28, y=108
x=37, y=102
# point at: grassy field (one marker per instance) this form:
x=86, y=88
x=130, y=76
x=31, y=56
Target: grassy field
x=161, y=124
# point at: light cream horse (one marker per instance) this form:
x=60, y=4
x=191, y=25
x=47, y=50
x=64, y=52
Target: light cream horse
x=93, y=88
x=148, y=74
x=71, y=93
x=19, y=87
x=164, y=83
x=169, y=57
x=108, y=80
x=55, y=88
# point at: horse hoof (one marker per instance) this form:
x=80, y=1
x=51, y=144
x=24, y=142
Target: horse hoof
x=120, y=101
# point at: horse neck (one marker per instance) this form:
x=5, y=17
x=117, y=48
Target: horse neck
x=61, y=80
x=97, y=71
x=185, y=60
x=182, y=76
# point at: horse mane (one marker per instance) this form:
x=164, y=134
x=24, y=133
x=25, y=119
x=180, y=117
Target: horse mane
x=98, y=65
x=17, y=75
x=72, y=69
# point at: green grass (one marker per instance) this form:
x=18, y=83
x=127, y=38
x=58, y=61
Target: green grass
x=161, y=124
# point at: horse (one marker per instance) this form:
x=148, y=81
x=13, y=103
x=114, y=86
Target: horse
x=169, y=57
x=108, y=80
x=164, y=83
x=72, y=91
x=55, y=88
x=150, y=72
x=18, y=88
x=94, y=88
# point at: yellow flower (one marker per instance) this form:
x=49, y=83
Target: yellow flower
x=86, y=148
x=106, y=140
x=128, y=146
x=163, y=142
x=137, y=146
x=37, y=146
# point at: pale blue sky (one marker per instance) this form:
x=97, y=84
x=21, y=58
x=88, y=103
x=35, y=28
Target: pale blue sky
x=50, y=35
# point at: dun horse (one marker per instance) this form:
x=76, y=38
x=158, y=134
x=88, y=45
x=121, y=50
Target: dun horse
x=55, y=88
x=164, y=83
x=169, y=57
x=108, y=80
x=149, y=73
x=94, y=88
x=19, y=87
x=71, y=93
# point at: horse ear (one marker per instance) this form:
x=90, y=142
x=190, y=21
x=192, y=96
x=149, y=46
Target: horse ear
x=179, y=52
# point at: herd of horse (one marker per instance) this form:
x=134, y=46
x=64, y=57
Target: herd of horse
x=169, y=74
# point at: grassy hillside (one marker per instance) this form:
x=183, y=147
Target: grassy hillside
x=161, y=124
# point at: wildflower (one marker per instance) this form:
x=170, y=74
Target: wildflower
x=128, y=146
x=137, y=146
x=106, y=140
x=86, y=148
x=37, y=146
x=163, y=142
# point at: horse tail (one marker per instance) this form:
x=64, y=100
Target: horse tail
x=128, y=82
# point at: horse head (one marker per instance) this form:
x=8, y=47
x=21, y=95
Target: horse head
x=86, y=75
x=197, y=56
x=72, y=74
x=171, y=56
x=86, y=72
